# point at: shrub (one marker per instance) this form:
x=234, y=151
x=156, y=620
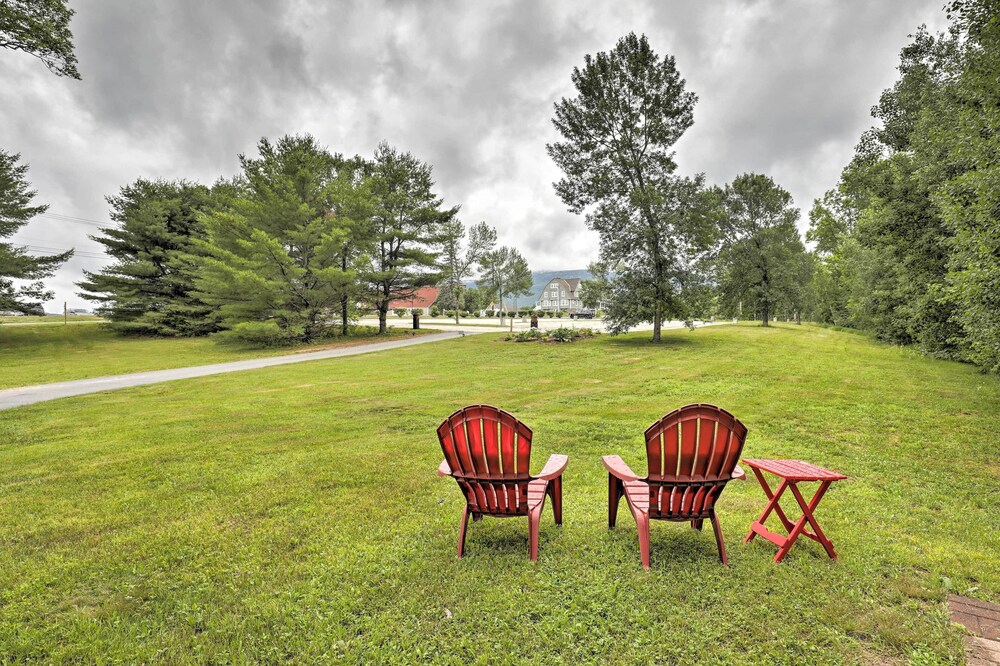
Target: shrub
x=435, y=311
x=475, y=313
x=417, y=311
x=530, y=335
x=549, y=314
x=560, y=314
x=562, y=334
x=400, y=312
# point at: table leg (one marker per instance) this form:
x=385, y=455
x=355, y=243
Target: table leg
x=771, y=505
x=807, y=514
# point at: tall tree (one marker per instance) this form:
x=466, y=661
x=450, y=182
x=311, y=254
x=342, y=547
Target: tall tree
x=148, y=289
x=274, y=267
x=40, y=28
x=961, y=140
x=459, y=262
x=762, y=257
x=408, y=226
x=505, y=274
x=630, y=109
x=15, y=262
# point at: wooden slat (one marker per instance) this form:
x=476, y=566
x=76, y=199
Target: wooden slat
x=654, y=453
x=689, y=433
x=671, y=447
x=491, y=445
x=706, y=437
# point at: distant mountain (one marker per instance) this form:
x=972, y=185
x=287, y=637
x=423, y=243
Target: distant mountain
x=541, y=278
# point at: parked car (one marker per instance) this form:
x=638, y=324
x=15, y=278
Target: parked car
x=582, y=314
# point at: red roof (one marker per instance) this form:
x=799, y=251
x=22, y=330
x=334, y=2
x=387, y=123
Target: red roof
x=422, y=298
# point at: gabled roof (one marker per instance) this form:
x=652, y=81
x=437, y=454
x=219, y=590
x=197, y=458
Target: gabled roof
x=422, y=298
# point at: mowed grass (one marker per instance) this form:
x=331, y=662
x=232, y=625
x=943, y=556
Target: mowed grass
x=294, y=515
x=50, y=353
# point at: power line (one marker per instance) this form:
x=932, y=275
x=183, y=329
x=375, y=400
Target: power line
x=76, y=220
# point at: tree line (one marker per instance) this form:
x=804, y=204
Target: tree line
x=908, y=242
x=905, y=247
x=290, y=250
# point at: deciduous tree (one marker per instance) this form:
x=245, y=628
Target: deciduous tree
x=40, y=28
x=459, y=262
x=762, y=257
x=616, y=155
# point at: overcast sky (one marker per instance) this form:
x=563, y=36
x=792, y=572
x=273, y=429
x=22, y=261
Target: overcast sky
x=178, y=89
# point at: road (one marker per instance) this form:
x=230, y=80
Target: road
x=27, y=395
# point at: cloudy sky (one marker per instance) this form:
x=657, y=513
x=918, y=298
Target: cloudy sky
x=178, y=89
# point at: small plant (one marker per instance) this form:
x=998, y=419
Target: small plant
x=550, y=314
x=400, y=312
x=560, y=314
x=435, y=311
x=530, y=335
x=562, y=334
x=475, y=313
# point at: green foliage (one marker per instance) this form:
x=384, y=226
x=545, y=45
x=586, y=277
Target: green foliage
x=408, y=226
x=762, y=260
x=399, y=312
x=560, y=314
x=435, y=311
x=618, y=165
x=274, y=264
x=561, y=334
x=505, y=274
x=149, y=288
x=909, y=245
x=40, y=28
x=459, y=261
x=15, y=262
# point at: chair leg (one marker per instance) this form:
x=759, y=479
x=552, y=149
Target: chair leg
x=718, y=539
x=463, y=527
x=615, y=492
x=696, y=524
x=642, y=523
x=555, y=493
x=534, y=518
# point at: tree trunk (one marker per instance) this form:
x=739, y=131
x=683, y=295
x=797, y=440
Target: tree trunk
x=382, y=311
x=765, y=314
x=656, y=324
x=343, y=314
x=798, y=317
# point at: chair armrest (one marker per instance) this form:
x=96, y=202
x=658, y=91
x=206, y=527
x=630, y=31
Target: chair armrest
x=553, y=468
x=618, y=469
x=739, y=474
x=444, y=469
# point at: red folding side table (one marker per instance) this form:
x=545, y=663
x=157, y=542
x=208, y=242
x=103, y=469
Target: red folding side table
x=791, y=473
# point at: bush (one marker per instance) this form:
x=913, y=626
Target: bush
x=562, y=334
x=417, y=311
x=560, y=314
x=435, y=311
x=400, y=312
x=549, y=314
x=530, y=335
x=475, y=313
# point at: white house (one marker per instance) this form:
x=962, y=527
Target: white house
x=560, y=294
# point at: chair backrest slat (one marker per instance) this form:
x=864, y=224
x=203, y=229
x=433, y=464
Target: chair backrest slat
x=691, y=453
x=489, y=452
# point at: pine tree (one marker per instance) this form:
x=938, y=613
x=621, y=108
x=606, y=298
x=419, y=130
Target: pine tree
x=148, y=289
x=408, y=227
x=15, y=262
x=275, y=266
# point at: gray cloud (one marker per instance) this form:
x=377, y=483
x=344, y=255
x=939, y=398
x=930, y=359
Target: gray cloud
x=178, y=89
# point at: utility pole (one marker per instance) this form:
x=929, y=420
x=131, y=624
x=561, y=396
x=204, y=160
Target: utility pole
x=65, y=313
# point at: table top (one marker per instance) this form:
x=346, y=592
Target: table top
x=794, y=470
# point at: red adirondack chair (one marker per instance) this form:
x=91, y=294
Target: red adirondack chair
x=692, y=454
x=486, y=450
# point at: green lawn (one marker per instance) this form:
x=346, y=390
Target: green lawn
x=293, y=514
x=42, y=354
